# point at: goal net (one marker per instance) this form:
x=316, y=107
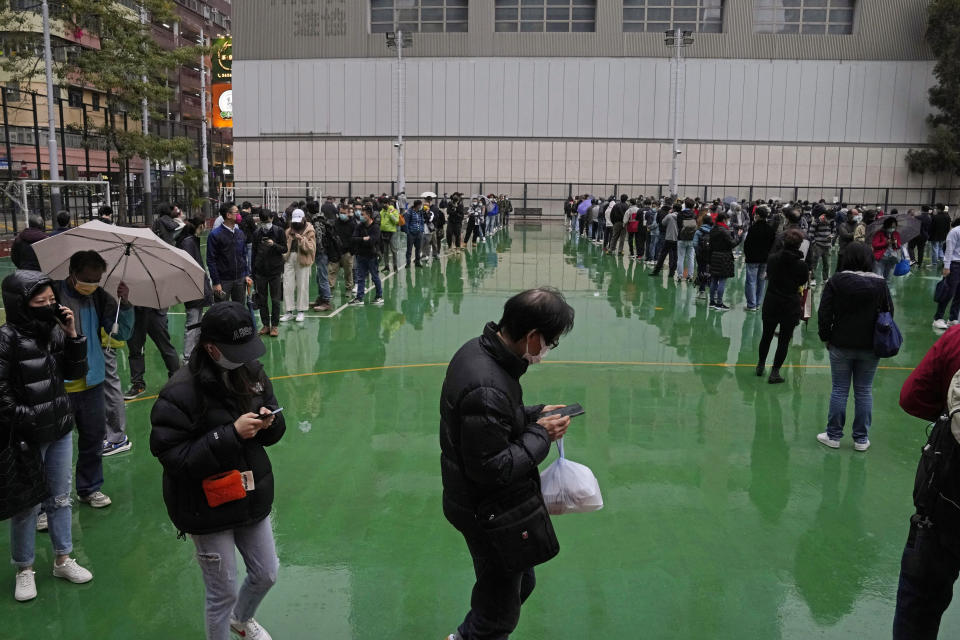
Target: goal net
x=45, y=198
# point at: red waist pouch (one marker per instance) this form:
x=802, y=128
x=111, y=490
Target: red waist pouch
x=224, y=487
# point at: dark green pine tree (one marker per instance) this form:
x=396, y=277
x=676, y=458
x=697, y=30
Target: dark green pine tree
x=943, y=35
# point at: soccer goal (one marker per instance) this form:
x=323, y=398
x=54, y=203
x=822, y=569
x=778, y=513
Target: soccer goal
x=82, y=198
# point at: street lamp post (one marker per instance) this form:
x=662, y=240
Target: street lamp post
x=51, y=121
x=676, y=40
x=399, y=40
x=204, y=166
x=147, y=178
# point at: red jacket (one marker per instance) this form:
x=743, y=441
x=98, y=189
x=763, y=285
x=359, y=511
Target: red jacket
x=880, y=243
x=924, y=394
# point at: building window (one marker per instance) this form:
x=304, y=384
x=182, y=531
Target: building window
x=12, y=91
x=425, y=16
x=705, y=16
x=803, y=16
x=552, y=16
x=96, y=101
x=75, y=97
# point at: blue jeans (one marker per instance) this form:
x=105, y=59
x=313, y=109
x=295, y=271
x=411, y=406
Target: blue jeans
x=717, y=287
x=756, y=283
x=936, y=253
x=89, y=409
x=367, y=266
x=217, y=556
x=653, y=246
x=953, y=285
x=685, y=258
x=860, y=366
x=57, y=460
x=928, y=571
x=323, y=278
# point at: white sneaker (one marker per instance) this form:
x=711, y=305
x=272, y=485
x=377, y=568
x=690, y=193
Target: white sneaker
x=97, y=500
x=71, y=571
x=940, y=323
x=861, y=446
x=354, y=290
x=26, y=588
x=299, y=318
x=287, y=317
x=42, y=522
x=378, y=302
x=813, y=283
x=823, y=438
x=251, y=630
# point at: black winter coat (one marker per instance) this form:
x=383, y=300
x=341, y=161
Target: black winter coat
x=268, y=260
x=194, y=438
x=849, y=307
x=760, y=238
x=366, y=248
x=939, y=226
x=490, y=443
x=787, y=272
x=35, y=359
x=455, y=212
x=722, y=242
x=191, y=244
x=22, y=254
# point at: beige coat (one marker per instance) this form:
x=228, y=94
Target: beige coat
x=307, y=249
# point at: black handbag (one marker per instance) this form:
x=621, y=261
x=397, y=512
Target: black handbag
x=22, y=481
x=518, y=528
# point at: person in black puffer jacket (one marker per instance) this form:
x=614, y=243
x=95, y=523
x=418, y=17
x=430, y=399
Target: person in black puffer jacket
x=213, y=418
x=491, y=444
x=269, y=253
x=722, y=242
x=37, y=352
x=787, y=272
x=189, y=241
x=847, y=319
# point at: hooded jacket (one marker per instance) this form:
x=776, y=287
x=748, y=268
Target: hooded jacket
x=787, y=272
x=849, y=307
x=194, y=438
x=22, y=253
x=489, y=441
x=35, y=359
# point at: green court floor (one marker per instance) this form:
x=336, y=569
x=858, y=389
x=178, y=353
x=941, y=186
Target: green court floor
x=724, y=517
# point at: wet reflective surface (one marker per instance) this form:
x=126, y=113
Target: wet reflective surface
x=724, y=517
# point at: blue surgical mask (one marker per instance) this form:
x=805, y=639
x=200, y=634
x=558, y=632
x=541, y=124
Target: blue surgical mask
x=342, y=216
x=357, y=215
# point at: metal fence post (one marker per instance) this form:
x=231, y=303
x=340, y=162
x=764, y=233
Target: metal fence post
x=704, y=193
x=933, y=195
x=841, y=195
x=796, y=194
x=570, y=190
x=6, y=139
x=886, y=198
x=524, y=195
x=349, y=189
x=436, y=188
x=751, y=194
x=36, y=141
x=306, y=190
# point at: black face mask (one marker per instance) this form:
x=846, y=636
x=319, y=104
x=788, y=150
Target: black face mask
x=46, y=314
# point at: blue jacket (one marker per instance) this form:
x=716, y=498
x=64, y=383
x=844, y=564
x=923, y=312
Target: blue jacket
x=415, y=222
x=227, y=255
x=704, y=229
x=92, y=313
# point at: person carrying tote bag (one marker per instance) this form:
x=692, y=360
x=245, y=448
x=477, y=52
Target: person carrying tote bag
x=850, y=308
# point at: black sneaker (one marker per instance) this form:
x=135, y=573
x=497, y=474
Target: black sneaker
x=135, y=391
x=721, y=307
x=355, y=302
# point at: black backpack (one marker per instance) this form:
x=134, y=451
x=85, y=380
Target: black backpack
x=936, y=488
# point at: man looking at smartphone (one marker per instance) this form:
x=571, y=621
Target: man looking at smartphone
x=491, y=445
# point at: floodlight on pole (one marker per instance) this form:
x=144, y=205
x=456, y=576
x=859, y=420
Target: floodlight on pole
x=399, y=40
x=676, y=39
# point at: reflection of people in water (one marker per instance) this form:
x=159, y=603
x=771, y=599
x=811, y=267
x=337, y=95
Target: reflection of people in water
x=834, y=556
x=769, y=457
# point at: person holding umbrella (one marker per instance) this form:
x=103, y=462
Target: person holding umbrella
x=93, y=309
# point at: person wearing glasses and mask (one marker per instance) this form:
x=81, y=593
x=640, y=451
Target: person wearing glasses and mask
x=491, y=444
x=211, y=425
x=93, y=308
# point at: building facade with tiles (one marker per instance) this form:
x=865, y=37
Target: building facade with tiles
x=809, y=95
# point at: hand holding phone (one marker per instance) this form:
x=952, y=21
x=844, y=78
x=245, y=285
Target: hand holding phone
x=571, y=411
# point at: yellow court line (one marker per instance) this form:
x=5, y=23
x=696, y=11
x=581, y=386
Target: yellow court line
x=587, y=362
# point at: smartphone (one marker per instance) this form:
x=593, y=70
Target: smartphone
x=571, y=410
x=61, y=315
x=276, y=411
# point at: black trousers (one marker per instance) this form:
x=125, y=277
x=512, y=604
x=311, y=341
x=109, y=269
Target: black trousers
x=270, y=299
x=669, y=248
x=153, y=323
x=453, y=233
x=770, y=324
x=928, y=571
x=917, y=246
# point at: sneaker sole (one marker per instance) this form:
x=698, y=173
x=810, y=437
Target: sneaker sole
x=72, y=581
x=122, y=449
x=829, y=445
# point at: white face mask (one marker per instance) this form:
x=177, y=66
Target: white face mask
x=536, y=359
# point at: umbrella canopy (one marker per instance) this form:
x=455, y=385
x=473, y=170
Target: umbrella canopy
x=428, y=194
x=158, y=274
x=907, y=226
x=730, y=200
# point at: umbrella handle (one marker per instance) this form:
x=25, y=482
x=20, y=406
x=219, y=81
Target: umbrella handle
x=116, y=318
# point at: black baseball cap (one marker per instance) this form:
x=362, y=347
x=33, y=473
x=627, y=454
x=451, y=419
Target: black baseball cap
x=230, y=327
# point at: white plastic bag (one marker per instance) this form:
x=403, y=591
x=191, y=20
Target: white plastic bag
x=569, y=487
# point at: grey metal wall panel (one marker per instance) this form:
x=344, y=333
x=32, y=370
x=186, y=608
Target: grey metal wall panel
x=588, y=98
x=284, y=29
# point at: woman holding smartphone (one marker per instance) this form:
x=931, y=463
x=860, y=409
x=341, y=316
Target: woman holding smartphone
x=39, y=348
x=211, y=424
